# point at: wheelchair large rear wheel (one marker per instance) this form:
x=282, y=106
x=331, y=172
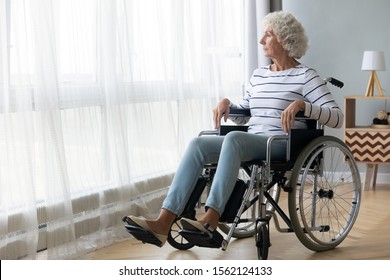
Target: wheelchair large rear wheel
x=326, y=193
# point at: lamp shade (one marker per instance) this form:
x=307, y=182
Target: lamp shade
x=374, y=60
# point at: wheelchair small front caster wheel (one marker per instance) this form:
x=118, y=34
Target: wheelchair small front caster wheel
x=176, y=240
x=262, y=242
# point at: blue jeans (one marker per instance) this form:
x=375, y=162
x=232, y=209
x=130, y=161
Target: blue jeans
x=228, y=151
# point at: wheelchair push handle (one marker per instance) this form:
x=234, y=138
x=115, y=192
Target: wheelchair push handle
x=334, y=82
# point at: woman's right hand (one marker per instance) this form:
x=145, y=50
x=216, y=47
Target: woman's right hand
x=222, y=110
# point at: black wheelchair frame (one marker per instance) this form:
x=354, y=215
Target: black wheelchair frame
x=323, y=185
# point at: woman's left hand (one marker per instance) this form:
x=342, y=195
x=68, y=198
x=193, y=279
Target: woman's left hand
x=288, y=115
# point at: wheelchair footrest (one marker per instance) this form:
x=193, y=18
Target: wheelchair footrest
x=210, y=240
x=143, y=235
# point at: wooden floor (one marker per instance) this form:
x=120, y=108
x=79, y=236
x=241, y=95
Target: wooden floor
x=368, y=240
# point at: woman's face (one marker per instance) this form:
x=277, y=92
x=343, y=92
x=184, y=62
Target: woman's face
x=272, y=48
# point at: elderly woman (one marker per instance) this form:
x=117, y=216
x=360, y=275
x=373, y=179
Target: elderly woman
x=274, y=95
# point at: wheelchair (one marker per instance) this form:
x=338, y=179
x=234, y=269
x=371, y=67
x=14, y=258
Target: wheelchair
x=319, y=175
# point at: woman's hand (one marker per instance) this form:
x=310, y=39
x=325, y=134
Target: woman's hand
x=288, y=115
x=222, y=109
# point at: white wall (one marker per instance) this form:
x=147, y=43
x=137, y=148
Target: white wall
x=339, y=32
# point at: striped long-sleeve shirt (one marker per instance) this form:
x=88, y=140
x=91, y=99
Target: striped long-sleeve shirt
x=269, y=93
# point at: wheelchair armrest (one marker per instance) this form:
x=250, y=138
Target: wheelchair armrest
x=300, y=115
x=223, y=130
x=236, y=112
x=209, y=132
x=311, y=123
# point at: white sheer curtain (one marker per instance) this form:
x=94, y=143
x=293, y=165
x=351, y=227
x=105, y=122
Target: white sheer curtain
x=98, y=99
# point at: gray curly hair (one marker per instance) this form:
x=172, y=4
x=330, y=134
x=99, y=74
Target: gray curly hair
x=288, y=31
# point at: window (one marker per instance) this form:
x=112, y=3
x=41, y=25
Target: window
x=99, y=95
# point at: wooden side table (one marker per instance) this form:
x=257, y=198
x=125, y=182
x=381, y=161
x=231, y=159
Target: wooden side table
x=369, y=144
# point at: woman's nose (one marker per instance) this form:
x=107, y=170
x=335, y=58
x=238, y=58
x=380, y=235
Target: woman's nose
x=262, y=41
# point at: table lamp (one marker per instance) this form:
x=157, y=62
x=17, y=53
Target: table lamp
x=373, y=61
